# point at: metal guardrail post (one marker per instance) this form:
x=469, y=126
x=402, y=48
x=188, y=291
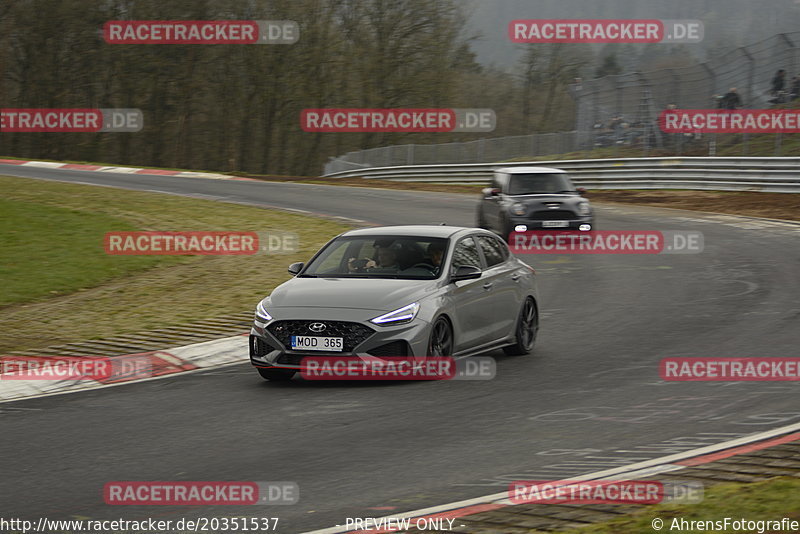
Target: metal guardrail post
x=751, y=70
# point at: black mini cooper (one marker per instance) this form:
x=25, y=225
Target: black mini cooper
x=533, y=198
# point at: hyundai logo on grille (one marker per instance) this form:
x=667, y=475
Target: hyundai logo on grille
x=554, y=205
x=317, y=327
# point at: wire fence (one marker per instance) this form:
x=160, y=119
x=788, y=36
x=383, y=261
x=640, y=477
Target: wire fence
x=622, y=111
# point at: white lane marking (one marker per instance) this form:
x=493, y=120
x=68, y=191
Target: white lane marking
x=202, y=175
x=121, y=170
x=43, y=164
x=203, y=196
x=648, y=466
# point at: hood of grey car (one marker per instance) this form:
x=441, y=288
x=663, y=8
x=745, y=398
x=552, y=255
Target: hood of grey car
x=362, y=293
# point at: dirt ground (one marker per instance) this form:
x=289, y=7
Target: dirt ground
x=769, y=205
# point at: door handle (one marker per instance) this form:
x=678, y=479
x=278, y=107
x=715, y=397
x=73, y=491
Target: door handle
x=515, y=276
x=487, y=285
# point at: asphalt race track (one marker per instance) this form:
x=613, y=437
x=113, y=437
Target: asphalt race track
x=590, y=396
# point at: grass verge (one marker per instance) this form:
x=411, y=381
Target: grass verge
x=61, y=286
x=784, y=206
x=767, y=500
x=49, y=250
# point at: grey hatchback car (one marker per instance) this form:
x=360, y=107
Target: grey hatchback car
x=418, y=290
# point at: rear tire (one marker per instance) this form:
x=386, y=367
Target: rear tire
x=275, y=375
x=527, y=330
x=480, y=222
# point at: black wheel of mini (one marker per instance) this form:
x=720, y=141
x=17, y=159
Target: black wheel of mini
x=527, y=330
x=505, y=228
x=480, y=220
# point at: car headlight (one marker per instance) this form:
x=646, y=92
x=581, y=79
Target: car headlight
x=399, y=316
x=262, y=313
x=584, y=209
x=518, y=208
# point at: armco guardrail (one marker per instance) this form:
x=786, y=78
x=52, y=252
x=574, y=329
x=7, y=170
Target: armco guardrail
x=769, y=174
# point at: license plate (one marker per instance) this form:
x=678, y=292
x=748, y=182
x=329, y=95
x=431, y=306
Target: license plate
x=318, y=343
x=555, y=224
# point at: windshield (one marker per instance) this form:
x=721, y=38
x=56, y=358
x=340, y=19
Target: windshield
x=405, y=257
x=539, y=183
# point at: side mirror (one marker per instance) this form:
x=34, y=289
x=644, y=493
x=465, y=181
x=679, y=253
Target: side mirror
x=490, y=191
x=296, y=268
x=581, y=191
x=466, y=272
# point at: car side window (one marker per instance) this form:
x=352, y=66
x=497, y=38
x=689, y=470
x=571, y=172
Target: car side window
x=466, y=253
x=494, y=252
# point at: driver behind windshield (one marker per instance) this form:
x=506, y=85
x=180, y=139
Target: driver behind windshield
x=386, y=261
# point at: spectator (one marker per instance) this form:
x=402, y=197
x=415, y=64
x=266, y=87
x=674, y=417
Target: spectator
x=778, y=81
x=730, y=100
x=794, y=91
x=616, y=124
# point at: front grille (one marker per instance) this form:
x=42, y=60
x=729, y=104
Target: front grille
x=394, y=348
x=553, y=215
x=353, y=334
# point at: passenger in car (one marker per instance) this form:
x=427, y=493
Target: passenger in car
x=436, y=253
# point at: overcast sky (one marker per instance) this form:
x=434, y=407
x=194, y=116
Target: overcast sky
x=728, y=23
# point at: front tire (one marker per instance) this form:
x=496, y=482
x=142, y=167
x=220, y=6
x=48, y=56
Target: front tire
x=480, y=221
x=441, y=341
x=275, y=375
x=527, y=330
x=505, y=228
